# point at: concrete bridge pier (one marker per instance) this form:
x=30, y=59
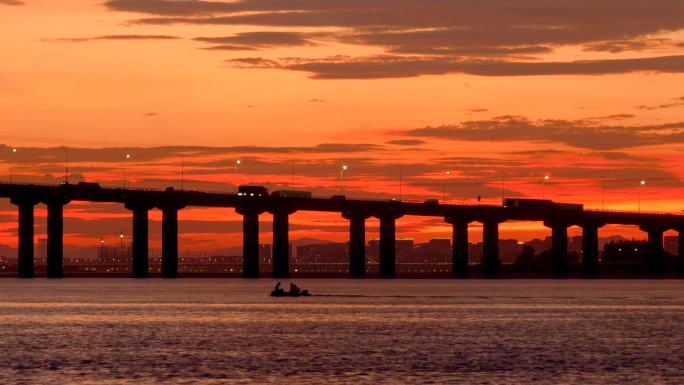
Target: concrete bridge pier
x=140, y=264
x=55, y=238
x=490, y=248
x=281, y=242
x=590, y=265
x=388, y=254
x=357, y=243
x=250, y=241
x=656, y=256
x=681, y=250
x=459, y=246
x=169, y=267
x=25, y=268
x=559, y=248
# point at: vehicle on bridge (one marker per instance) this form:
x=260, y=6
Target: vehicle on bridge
x=291, y=194
x=89, y=185
x=431, y=201
x=544, y=204
x=252, y=191
x=338, y=197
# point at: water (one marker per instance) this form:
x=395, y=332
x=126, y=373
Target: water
x=214, y=331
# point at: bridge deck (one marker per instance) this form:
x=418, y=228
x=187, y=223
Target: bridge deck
x=182, y=198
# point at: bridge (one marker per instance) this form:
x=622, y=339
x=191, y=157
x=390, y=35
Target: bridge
x=357, y=211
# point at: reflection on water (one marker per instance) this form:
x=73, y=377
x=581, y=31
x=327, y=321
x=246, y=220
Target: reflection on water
x=213, y=331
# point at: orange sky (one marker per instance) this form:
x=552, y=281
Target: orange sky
x=492, y=93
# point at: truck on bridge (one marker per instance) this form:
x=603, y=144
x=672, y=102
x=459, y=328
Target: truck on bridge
x=291, y=194
x=252, y=191
x=546, y=204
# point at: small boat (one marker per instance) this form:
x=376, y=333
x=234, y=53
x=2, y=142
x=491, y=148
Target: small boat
x=281, y=293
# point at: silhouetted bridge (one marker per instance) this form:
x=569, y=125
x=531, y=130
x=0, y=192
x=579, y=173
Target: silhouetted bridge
x=357, y=211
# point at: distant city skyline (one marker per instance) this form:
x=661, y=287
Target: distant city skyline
x=509, y=248
x=157, y=94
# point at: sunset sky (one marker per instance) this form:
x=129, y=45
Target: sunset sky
x=458, y=97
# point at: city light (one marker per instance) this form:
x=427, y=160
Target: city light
x=342, y=170
x=14, y=151
x=126, y=158
x=235, y=174
x=546, y=178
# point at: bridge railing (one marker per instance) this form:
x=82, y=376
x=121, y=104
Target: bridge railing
x=411, y=201
x=635, y=211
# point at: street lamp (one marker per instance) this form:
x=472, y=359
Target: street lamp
x=444, y=195
x=641, y=185
x=546, y=178
x=182, y=172
x=235, y=175
x=401, y=180
x=603, y=193
x=126, y=158
x=342, y=170
x=14, y=151
x=66, y=164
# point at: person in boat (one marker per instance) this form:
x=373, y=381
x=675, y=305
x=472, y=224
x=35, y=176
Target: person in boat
x=278, y=290
x=294, y=290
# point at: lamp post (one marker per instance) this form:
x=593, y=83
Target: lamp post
x=603, y=193
x=546, y=178
x=14, y=151
x=503, y=188
x=342, y=170
x=66, y=164
x=182, y=172
x=444, y=195
x=126, y=158
x=401, y=180
x=641, y=185
x=235, y=174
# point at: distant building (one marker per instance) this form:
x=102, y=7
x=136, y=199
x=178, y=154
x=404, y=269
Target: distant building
x=41, y=249
x=403, y=249
x=509, y=249
x=114, y=259
x=4, y=264
x=437, y=251
x=266, y=257
x=671, y=244
x=322, y=253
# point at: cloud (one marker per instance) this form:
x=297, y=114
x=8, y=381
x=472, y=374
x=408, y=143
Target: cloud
x=518, y=52
x=617, y=46
x=406, y=142
x=676, y=102
x=257, y=40
x=448, y=35
x=253, y=62
x=171, y=7
x=491, y=23
x=386, y=66
x=577, y=133
x=611, y=117
x=112, y=37
x=33, y=155
x=229, y=47
x=12, y=2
